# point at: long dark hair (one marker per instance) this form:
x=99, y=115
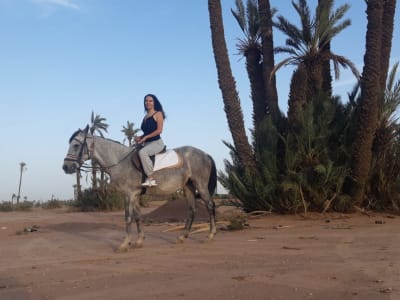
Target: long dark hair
x=157, y=104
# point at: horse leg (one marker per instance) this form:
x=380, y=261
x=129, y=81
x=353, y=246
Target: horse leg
x=132, y=211
x=189, y=192
x=138, y=219
x=205, y=195
x=128, y=226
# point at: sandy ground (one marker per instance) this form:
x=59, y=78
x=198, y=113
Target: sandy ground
x=71, y=256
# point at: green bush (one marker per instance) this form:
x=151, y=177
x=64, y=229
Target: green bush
x=6, y=206
x=298, y=167
x=106, y=199
x=24, y=206
x=52, y=204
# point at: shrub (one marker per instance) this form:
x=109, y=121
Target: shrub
x=52, y=204
x=100, y=199
x=6, y=206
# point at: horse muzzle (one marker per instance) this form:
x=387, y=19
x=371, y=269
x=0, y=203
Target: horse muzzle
x=70, y=167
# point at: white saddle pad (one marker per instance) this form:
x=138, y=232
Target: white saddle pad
x=167, y=159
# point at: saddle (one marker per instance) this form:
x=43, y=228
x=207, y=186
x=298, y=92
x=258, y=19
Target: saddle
x=153, y=157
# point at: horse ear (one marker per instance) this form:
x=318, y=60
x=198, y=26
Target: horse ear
x=86, y=129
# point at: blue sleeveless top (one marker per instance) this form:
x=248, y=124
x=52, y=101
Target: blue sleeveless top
x=148, y=126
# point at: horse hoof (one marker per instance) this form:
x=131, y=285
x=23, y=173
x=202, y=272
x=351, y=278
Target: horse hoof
x=180, y=239
x=121, y=249
x=207, y=241
x=137, y=245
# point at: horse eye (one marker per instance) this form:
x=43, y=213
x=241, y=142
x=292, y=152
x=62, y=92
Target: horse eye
x=76, y=146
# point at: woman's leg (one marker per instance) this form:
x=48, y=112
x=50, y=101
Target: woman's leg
x=148, y=150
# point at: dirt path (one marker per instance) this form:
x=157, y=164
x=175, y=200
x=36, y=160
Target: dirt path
x=71, y=256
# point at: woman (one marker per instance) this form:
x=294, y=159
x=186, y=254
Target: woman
x=152, y=127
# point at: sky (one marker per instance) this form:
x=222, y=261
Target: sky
x=62, y=59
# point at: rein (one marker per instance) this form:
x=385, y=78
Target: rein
x=91, y=149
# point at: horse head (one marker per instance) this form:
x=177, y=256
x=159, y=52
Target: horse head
x=78, y=151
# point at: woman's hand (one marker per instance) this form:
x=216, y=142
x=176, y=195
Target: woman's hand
x=140, y=139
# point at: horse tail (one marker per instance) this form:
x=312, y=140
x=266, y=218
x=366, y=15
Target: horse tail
x=212, y=182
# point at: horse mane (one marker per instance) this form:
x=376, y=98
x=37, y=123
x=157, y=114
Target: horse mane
x=111, y=140
x=80, y=131
x=74, y=135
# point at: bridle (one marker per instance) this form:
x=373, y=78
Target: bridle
x=83, y=149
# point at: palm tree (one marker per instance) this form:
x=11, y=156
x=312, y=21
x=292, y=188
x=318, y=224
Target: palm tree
x=130, y=132
x=227, y=85
x=250, y=47
x=22, y=167
x=257, y=47
x=368, y=107
x=307, y=46
x=13, y=196
x=97, y=125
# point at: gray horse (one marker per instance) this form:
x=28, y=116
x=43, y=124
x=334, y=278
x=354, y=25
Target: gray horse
x=197, y=174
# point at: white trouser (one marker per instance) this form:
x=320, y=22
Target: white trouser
x=149, y=149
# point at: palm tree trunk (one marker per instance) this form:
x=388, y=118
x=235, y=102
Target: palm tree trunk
x=19, y=186
x=326, y=65
x=78, y=184
x=21, y=170
x=387, y=36
x=94, y=175
x=102, y=179
x=315, y=80
x=367, y=116
x=297, y=95
x=227, y=85
x=254, y=71
x=268, y=59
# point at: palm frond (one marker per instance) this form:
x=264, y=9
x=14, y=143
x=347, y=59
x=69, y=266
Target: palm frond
x=253, y=19
x=98, y=124
x=240, y=15
x=280, y=65
x=289, y=29
x=249, y=21
x=392, y=77
x=345, y=63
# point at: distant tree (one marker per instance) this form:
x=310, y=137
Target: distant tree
x=130, y=132
x=97, y=125
x=22, y=167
